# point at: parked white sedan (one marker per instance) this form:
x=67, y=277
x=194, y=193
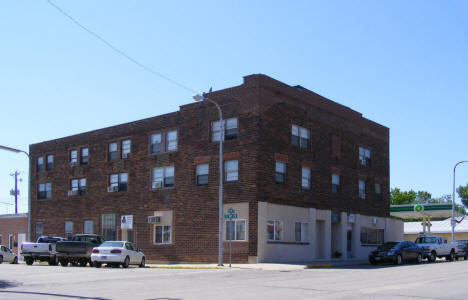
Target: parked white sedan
x=6, y=255
x=115, y=253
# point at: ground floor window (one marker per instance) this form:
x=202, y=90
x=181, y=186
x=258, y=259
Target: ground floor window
x=10, y=241
x=39, y=229
x=88, y=227
x=235, y=230
x=162, y=234
x=372, y=236
x=108, y=227
x=274, y=230
x=68, y=229
x=301, y=232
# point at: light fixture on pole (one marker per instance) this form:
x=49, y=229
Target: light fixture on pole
x=453, y=198
x=199, y=97
x=29, y=184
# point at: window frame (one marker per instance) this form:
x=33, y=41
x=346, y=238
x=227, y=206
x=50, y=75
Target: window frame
x=276, y=223
x=361, y=189
x=163, y=177
x=84, y=226
x=119, y=183
x=163, y=231
x=204, y=175
x=297, y=138
x=73, y=157
x=125, y=150
x=44, y=191
x=335, y=190
x=168, y=147
x=280, y=175
x=308, y=179
x=232, y=172
x=39, y=165
x=380, y=236
x=229, y=133
x=68, y=234
x=112, y=155
x=49, y=164
x=84, y=159
x=244, y=221
x=365, y=155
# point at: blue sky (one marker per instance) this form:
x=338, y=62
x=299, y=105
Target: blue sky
x=403, y=64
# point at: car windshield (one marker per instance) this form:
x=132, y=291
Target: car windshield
x=388, y=246
x=425, y=240
x=112, y=244
x=48, y=240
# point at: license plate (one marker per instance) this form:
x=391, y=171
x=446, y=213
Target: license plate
x=103, y=257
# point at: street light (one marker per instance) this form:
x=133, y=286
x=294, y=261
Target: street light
x=199, y=97
x=29, y=184
x=453, y=198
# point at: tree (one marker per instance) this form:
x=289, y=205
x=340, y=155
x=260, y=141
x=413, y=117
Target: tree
x=423, y=197
x=463, y=193
x=442, y=199
x=397, y=197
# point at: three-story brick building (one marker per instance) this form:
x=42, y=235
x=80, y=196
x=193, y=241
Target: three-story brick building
x=308, y=179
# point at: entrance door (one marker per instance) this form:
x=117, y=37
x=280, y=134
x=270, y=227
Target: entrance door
x=349, y=242
x=21, y=239
x=128, y=235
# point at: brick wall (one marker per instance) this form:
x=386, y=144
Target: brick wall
x=13, y=224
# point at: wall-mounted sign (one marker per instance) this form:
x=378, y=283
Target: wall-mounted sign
x=126, y=222
x=231, y=214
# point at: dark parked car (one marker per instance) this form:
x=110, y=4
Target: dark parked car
x=396, y=252
x=462, y=249
x=78, y=250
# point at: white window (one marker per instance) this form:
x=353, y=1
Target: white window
x=230, y=130
x=73, y=157
x=40, y=164
x=362, y=189
x=365, y=156
x=171, y=141
x=84, y=156
x=88, y=227
x=155, y=143
x=44, y=190
x=235, y=230
x=39, y=229
x=231, y=170
x=301, y=232
x=126, y=148
x=280, y=172
x=118, y=182
x=78, y=186
x=202, y=174
x=378, y=195
x=335, y=183
x=112, y=151
x=162, y=234
x=68, y=229
x=305, y=178
x=49, y=162
x=162, y=177
x=274, y=230
x=300, y=136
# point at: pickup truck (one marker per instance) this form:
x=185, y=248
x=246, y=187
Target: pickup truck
x=436, y=246
x=78, y=249
x=42, y=250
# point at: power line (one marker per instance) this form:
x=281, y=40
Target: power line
x=122, y=53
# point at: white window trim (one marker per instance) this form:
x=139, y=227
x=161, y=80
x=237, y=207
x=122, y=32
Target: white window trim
x=305, y=224
x=274, y=230
x=235, y=230
x=162, y=233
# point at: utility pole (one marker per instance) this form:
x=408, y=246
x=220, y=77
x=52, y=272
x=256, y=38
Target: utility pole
x=15, y=192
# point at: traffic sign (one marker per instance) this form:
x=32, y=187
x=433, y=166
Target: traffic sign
x=231, y=214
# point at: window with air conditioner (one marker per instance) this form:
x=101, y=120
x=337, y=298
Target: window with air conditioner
x=162, y=177
x=118, y=182
x=77, y=187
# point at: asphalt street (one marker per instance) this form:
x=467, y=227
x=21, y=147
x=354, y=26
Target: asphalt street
x=441, y=280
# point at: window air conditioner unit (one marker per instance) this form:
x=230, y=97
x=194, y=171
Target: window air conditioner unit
x=154, y=219
x=351, y=218
x=125, y=155
x=156, y=185
x=73, y=192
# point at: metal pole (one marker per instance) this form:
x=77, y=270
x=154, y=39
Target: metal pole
x=221, y=175
x=453, y=198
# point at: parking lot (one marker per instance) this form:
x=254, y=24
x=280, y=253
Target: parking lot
x=441, y=280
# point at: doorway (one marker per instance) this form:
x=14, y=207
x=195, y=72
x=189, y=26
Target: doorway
x=21, y=239
x=349, y=242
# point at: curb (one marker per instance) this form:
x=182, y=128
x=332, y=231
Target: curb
x=184, y=267
x=316, y=266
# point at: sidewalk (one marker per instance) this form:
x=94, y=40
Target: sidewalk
x=266, y=266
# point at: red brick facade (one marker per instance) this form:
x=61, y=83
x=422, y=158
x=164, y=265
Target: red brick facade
x=10, y=226
x=266, y=109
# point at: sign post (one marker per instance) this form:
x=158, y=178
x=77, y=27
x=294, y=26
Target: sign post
x=231, y=215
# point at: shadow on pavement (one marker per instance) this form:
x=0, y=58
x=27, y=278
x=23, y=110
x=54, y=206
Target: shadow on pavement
x=55, y=295
x=8, y=284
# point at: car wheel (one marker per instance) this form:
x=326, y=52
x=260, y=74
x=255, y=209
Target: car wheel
x=142, y=264
x=465, y=257
x=15, y=260
x=1, y=259
x=433, y=257
x=53, y=261
x=64, y=263
x=419, y=259
x=29, y=261
x=451, y=256
x=97, y=264
x=126, y=262
x=83, y=262
x=398, y=259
